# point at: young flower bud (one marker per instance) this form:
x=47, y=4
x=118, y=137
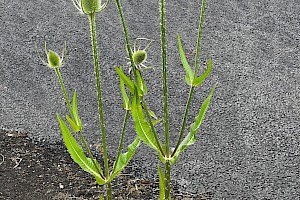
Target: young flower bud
x=139, y=57
x=54, y=60
x=89, y=7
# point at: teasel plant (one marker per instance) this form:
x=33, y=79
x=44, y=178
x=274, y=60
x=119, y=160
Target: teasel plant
x=141, y=115
x=81, y=154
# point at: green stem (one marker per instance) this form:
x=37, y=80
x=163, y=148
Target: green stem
x=99, y=95
x=184, y=119
x=109, y=191
x=201, y=22
x=165, y=98
x=129, y=51
x=122, y=136
x=89, y=153
x=168, y=181
x=164, y=69
x=144, y=105
x=64, y=90
x=198, y=49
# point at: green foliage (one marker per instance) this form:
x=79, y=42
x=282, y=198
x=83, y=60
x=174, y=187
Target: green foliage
x=77, y=153
x=198, y=81
x=126, y=103
x=128, y=82
x=75, y=123
x=189, y=73
x=144, y=119
x=124, y=159
x=191, y=137
x=141, y=86
x=75, y=111
x=142, y=127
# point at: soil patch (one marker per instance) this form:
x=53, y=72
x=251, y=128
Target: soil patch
x=34, y=170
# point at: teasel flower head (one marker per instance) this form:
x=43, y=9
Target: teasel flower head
x=89, y=7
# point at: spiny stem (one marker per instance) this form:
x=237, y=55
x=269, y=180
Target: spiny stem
x=99, y=95
x=184, y=119
x=168, y=181
x=129, y=51
x=165, y=94
x=198, y=49
x=201, y=22
x=164, y=69
x=64, y=90
x=132, y=62
x=122, y=136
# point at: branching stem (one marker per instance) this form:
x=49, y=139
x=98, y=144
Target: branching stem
x=64, y=90
x=198, y=49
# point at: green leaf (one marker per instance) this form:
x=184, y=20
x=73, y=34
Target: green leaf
x=198, y=81
x=128, y=82
x=189, y=73
x=156, y=121
x=124, y=95
x=75, y=111
x=77, y=154
x=191, y=137
x=152, y=114
x=141, y=126
x=142, y=88
x=101, y=197
x=73, y=125
x=161, y=183
x=124, y=159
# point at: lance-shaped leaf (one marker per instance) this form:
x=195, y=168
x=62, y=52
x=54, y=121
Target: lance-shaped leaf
x=73, y=124
x=75, y=121
x=198, y=81
x=128, y=82
x=141, y=86
x=191, y=137
x=142, y=128
x=156, y=120
x=75, y=110
x=124, y=95
x=77, y=154
x=124, y=159
x=189, y=73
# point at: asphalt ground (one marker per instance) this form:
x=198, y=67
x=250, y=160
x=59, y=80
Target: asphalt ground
x=248, y=146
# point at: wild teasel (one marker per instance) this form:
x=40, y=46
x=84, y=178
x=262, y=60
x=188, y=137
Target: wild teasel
x=54, y=61
x=89, y=6
x=140, y=56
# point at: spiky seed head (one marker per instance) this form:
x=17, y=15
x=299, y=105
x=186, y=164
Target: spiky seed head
x=139, y=57
x=90, y=6
x=54, y=60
